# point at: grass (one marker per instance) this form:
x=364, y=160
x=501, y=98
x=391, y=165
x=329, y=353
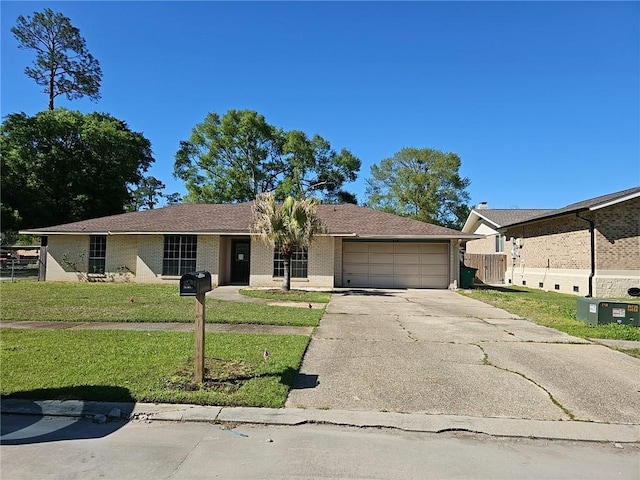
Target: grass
x=291, y=295
x=550, y=309
x=114, y=365
x=109, y=302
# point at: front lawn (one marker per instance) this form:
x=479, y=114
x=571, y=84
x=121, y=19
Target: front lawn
x=125, y=302
x=550, y=309
x=115, y=365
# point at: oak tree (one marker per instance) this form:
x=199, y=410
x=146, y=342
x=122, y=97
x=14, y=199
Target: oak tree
x=420, y=183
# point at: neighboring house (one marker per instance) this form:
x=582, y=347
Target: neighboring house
x=488, y=253
x=589, y=248
x=361, y=248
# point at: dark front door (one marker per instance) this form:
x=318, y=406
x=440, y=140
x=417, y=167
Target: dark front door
x=240, y=261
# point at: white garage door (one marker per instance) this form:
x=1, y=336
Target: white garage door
x=401, y=265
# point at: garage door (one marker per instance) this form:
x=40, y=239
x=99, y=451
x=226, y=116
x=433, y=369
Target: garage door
x=401, y=265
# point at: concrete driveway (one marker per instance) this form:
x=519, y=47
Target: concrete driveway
x=438, y=352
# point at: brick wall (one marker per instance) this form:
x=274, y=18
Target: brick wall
x=319, y=269
x=75, y=248
x=618, y=236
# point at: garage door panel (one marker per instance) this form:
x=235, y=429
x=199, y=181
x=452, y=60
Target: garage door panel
x=407, y=259
x=356, y=258
x=431, y=259
x=407, y=282
x=355, y=247
x=406, y=270
x=434, y=270
x=381, y=269
x=381, y=248
x=356, y=268
x=381, y=258
x=380, y=281
x=407, y=247
x=395, y=264
x=432, y=282
x=437, y=248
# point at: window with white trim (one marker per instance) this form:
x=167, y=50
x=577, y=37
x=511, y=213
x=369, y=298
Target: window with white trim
x=299, y=261
x=499, y=243
x=97, y=254
x=179, y=255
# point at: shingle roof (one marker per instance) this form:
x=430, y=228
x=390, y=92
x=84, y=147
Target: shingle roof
x=591, y=203
x=344, y=219
x=501, y=217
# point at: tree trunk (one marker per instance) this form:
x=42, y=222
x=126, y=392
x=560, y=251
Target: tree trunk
x=51, y=87
x=286, y=281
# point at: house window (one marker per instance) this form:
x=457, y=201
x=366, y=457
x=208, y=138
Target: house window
x=299, y=261
x=499, y=243
x=179, y=254
x=97, y=253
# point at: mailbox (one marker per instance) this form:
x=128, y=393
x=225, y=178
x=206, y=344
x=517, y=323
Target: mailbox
x=195, y=283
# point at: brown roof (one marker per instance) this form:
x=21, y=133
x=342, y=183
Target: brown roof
x=591, y=203
x=501, y=217
x=344, y=219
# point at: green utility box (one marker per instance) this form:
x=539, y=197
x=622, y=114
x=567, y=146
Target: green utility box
x=596, y=311
x=467, y=274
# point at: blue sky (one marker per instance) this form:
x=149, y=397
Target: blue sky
x=541, y=100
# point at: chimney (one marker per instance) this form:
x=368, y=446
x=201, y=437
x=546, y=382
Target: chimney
x=482, y=206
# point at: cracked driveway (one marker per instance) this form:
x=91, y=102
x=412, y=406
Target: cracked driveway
x=439, y=352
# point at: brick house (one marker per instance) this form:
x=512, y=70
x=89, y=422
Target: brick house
x=587, y=248
x=361, y=248
x=487, y=254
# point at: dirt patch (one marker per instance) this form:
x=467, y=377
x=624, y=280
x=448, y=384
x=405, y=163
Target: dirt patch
x=219, y=375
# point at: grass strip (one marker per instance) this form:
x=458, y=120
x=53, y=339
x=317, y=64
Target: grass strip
x=551, y=309
x=114, y=365
x=290, y=296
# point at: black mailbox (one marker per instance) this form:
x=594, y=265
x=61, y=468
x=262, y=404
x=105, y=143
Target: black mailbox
x=195, y=283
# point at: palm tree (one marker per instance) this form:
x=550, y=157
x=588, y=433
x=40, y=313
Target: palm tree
x=289, y=225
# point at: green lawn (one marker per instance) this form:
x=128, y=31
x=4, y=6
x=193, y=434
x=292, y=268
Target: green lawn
x=114, y=365
x=109, y=302
x=550, y=309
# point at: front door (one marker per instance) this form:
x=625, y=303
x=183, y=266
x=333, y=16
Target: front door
x=240, y=250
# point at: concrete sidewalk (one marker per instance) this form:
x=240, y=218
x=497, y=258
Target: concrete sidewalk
x=499, y=427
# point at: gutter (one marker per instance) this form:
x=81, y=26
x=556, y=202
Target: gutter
x=593, y=252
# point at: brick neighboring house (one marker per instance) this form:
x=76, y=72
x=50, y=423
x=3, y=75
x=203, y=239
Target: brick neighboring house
x=361, y=248
x=488, y=253
x=587, y=248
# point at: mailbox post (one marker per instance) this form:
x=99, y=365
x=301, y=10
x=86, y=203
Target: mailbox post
x=197, y=284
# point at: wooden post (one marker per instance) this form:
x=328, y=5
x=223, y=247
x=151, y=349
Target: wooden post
x=199, y=334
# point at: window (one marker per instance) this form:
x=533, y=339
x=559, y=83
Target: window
x=97, y=253
x=499, y=243
x=179, y=254
x=299, y=261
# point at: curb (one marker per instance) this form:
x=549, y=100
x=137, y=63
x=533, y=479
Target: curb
x=409, y=422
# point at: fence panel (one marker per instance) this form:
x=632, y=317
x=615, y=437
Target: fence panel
x=491, y=267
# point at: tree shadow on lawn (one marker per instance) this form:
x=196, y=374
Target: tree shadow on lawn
x=496, y=288
x=24, y=422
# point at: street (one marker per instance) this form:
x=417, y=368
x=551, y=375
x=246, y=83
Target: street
x=71, y=448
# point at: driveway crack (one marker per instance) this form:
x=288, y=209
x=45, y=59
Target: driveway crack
x=486, y=361
x=404, y=329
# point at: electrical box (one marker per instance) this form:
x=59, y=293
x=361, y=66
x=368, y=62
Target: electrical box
x=598, y=311
x=195, y=283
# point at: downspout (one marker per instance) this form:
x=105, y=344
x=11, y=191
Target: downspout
x=593, y=252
